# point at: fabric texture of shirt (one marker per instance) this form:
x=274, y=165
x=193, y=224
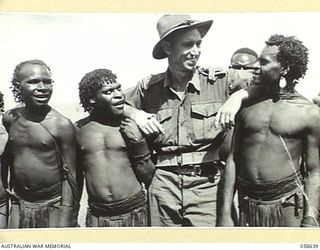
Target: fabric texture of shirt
x=188, y=122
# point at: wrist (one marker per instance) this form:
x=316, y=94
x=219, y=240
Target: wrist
x=242, y=94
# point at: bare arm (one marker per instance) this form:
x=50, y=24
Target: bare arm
x=147, y=122
x=66, y=140
x=312, y=175
x=228, y=111
x=227, y=185
x=138, y=151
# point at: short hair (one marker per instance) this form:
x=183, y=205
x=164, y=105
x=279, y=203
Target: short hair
x=292, y=53
x=1, y=103
x=245, y=51
x=15, y=79
x=91, y=83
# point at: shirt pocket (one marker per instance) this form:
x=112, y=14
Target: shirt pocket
x=164, y=116
x=203, y=119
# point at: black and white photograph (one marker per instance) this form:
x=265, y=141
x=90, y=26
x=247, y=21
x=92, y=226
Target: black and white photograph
x=159, y=120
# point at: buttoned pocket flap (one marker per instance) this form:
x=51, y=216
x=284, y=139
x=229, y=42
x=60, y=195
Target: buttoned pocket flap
x=164, y=114
x=206, y=109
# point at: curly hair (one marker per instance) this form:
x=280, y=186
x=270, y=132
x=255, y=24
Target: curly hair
x=16, y=81
x=292, y=53
x=91, y=83
x=1, y=103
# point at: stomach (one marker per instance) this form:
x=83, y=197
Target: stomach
x=111, y=182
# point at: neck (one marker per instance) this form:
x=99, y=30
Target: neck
x=104, y=118
x=36, y=113
x=180, y=78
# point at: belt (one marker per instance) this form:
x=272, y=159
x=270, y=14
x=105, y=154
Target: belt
x=191, y=158
x=208, y=169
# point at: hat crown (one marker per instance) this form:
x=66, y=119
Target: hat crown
x=168, y=22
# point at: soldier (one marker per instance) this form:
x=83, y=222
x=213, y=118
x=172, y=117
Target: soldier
x=185, y=100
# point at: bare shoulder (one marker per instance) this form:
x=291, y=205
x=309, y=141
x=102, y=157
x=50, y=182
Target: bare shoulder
x=10, y=116
x=58, y=124
x=82, y=122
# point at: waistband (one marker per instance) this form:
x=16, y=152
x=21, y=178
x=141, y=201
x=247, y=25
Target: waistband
x=206, y=169
x=36, y=195
x=118, y=207
x=36, y=204
x=270, y=190
x=190, y=158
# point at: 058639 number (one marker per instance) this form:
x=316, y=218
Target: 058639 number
x=309, y=246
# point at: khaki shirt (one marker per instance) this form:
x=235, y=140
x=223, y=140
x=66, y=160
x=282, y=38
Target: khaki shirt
x=188, y=122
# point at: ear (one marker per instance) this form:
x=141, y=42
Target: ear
x=166, y=47
x=284, y=71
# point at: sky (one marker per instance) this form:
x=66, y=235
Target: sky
x=74, y=44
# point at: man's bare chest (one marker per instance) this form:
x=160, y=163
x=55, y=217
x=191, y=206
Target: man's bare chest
x=279, y=118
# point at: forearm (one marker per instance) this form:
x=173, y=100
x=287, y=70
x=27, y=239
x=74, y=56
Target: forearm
x=226, y=194
x=312, y=192
x=131, y=112
x=141, y=162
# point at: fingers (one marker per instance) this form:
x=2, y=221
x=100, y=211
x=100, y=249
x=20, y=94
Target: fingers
x=155, y=125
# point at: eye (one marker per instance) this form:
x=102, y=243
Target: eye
x=33, y=81
x=119, y=88
x=108, y=92
x=47, y=81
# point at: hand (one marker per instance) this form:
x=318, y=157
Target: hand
x=148, y=123
x=229, y=109
x=130, y=130
x=65, y=216
x=225, y=221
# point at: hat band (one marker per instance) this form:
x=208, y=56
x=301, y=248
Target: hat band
x=186, y=22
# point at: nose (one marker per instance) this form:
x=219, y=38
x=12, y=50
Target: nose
x=196, y=50
x=118, y=93
x=41, y=85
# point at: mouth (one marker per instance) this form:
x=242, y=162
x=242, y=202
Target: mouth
x=41, y=97
x=119, y=104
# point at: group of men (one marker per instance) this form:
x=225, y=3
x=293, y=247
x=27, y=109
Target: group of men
x=160, y=153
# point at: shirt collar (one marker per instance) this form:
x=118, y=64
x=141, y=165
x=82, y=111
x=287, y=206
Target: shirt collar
x=195, y=81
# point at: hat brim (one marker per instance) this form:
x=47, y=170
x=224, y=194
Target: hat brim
x=203, y=27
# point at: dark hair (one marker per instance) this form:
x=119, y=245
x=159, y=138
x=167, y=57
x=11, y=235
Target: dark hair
x=91, y=83
x=15, y=79
x=1, y=103
x=245, y=51
x=292, y=53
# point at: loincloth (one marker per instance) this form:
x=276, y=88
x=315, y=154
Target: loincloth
x=35, y=214
x=262, y=204
x=130, y=212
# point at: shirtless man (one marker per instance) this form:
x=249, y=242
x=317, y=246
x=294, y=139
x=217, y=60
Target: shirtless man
x=114, y=166
x=271, y=137
x=40, y=153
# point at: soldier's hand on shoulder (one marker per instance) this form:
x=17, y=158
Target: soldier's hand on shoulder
x=130, y=130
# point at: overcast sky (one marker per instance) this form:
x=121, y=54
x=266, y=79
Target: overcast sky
x=74, y=44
